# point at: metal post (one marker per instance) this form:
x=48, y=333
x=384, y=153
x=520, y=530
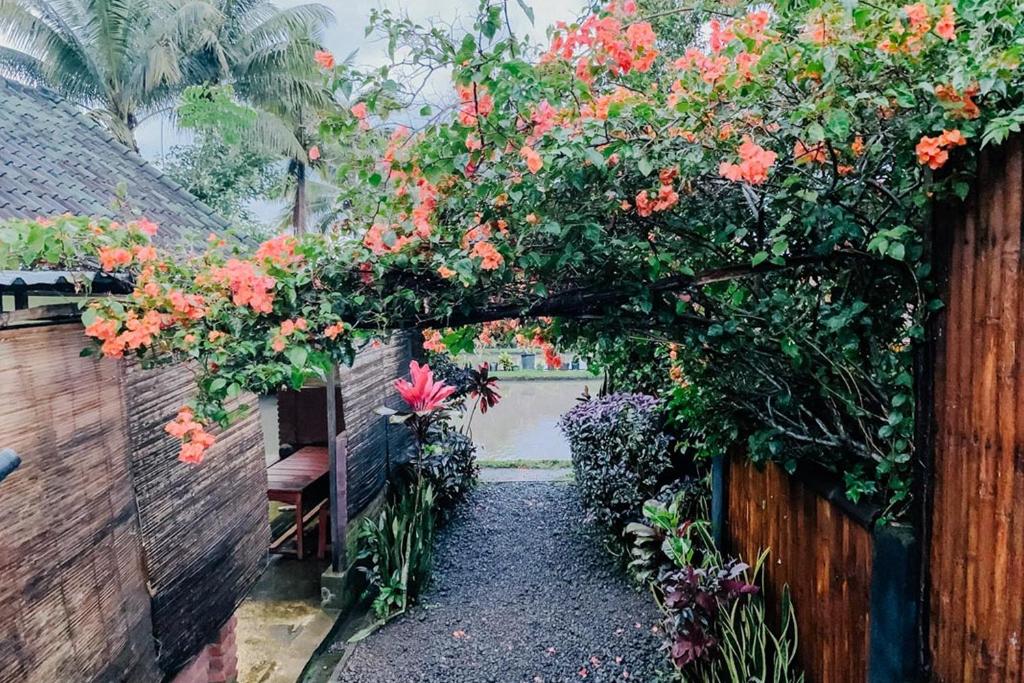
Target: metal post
x=338, y=476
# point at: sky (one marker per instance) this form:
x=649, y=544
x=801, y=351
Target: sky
x=347, y=34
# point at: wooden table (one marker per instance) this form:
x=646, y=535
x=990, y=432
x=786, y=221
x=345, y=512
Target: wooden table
x=301, y=480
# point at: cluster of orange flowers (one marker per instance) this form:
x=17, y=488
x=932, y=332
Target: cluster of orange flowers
x=666, y=198
x=491, y=258
x=533, y=161
x=249, y=286
x=910, y=38
x=136, y=333
x=755, y=162
x=474, y=101
x=603, y=40
x=280, y=251
x=289, y=327
x=934, y=151
x=195, y=439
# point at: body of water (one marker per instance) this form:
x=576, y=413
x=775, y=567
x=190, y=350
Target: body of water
x=524, y=425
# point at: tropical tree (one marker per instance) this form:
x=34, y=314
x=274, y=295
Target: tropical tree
x=126, y=60
x=267, y=55
x=123, y=60
x=228, y=178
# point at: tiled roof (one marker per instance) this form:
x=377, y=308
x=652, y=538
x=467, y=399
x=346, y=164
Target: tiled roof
x=54, y=159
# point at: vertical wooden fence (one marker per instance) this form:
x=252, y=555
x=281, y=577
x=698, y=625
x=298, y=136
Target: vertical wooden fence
x=976, y=557
x=853, y=584
x=821, y=551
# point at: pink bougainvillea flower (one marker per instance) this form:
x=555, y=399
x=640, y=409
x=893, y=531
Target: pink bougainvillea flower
x=946, y=26
x=533, y=160
x=112, y=258
x=423, y=394
x=314, y=153
x=324, y=58
x=147, y=226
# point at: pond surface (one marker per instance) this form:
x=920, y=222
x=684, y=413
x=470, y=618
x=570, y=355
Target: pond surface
x=524, y=425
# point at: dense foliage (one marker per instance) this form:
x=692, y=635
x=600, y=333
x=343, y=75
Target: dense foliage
x=619, y=454
x=227, y=178
x=750, y=184
x=448, y=463
x=715, y=625
x=396, y=547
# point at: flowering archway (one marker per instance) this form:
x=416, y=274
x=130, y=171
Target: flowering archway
x=751, y=187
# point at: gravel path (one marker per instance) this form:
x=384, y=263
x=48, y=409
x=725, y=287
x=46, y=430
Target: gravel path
x=522, y=592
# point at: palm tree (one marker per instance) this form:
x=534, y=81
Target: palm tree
x=266, y=55
x=121, y=59
x=125, y=60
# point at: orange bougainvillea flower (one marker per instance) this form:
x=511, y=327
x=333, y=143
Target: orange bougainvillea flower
x=446, y=272
x=933, y=151
x=112, y=258
x=491, y=258
x=857, y=147
x=280, y=251
x=533, y=160
x=333, y=331
x=248, y=285
x=324, y=58
x=815, y=154
x=960, y=105
x=432, y=341
x=146, y=226
x=755, y=162
x=946, y=26
x=195, y=439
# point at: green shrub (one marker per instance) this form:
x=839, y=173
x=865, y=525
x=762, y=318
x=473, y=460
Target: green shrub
x=448, y=462
x=396, y=548
x=619, y=453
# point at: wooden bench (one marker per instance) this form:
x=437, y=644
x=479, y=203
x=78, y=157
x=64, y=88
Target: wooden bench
x=300, y=480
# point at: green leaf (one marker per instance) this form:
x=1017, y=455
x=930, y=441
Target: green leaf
x=297, y=355
x=527, y=10
x=759, y=258
x=644, y=166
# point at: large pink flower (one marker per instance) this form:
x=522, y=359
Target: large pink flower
x=423, y=394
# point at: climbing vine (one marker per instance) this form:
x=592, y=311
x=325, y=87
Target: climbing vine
x=749, y=185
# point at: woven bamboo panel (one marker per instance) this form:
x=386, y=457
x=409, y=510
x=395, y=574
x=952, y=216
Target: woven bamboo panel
x=976, y=626
x=820, y=552
x=73, y=601
x=373, y=445
x=205, y=531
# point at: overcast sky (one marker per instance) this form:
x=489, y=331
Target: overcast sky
x=347, y=34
